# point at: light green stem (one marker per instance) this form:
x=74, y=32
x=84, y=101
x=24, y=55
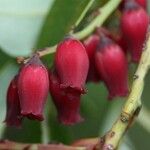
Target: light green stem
x=84, y=13
x=104, y=13
x=133, y=103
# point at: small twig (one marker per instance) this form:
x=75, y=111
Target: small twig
x=103, y=14
x=47, y=50
x=132, y=105
x=84, y=13
x=41, y=53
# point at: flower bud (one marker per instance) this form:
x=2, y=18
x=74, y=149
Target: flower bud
x=111, y=64
x=91, y=44
x=33, y=85
x=13, y=115
x=134, y=23
x=72, y=64
x=67, y=104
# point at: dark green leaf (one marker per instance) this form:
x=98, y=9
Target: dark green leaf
x=29, y=133
x=59, y=21
x=4, y=58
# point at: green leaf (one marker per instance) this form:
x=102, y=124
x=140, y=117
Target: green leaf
x=111, y=113
x=139, y=137
x=59, y=21
x=20, y=25
x=126, y=144
x=30, y=132
x=143, y=119
x=4, y=58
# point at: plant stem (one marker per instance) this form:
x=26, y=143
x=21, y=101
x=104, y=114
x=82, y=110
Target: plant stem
x=132, y=105
x=45, y=132
x=47, y=50
x=41, y=53
x=84, y=13
x=104, y=13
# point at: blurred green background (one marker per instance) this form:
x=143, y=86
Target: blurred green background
x=29, y=24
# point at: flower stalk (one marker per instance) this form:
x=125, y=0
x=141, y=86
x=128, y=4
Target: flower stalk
x=133, y=104
x=104, y=13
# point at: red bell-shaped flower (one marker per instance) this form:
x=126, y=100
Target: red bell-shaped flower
x=134, y=23
x=67, y=103
x=33, y=86
x=143, y=3
x=121, y=41
x=91, y=44
x=72, y=64
x=13, y=115
x=111, y=63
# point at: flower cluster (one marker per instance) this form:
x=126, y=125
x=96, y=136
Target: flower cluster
x=101, y=57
